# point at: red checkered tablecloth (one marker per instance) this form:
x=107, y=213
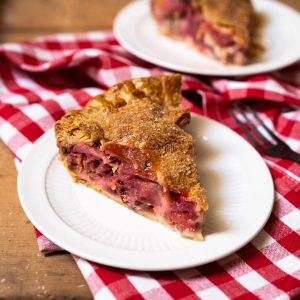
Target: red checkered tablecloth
x=42, y=79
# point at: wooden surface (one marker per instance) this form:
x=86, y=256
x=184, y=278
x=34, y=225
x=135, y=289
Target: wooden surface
x=24, y=272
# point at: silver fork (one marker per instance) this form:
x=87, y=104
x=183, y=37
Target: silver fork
x=275, y=148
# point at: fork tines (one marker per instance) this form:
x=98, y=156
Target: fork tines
x=259, y=134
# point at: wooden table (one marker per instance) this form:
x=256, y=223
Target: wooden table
x=24, y=272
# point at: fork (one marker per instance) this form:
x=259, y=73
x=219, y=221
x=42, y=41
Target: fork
x=275, y=148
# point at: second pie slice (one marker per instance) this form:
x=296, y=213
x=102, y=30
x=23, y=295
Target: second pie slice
x=217, y=28
x=128, y=143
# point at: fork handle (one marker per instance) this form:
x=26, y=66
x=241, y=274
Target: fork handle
x=294, y=156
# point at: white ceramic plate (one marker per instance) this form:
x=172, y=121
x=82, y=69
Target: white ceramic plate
x=82, y=221
x=136, y=31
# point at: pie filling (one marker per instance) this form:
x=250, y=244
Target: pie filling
x=176, y=17
x=126, y=175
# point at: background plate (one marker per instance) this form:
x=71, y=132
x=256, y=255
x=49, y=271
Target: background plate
x=86, y=223
x=136, y=32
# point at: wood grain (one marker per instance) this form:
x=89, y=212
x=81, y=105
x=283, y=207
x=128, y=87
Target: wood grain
x=21, y=20
x=24, y=272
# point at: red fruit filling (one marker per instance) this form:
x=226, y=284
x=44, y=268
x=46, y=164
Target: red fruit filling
x=126, y=174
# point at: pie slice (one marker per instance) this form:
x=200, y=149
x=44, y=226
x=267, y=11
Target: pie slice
x=218, y=28
x=129, y=145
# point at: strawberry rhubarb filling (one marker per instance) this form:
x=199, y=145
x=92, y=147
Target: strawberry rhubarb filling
x=125, y=173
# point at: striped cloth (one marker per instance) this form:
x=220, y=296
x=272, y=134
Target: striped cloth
x=42, y=79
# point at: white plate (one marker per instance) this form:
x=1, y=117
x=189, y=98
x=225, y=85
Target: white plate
x=82, y=221
x=136, y=31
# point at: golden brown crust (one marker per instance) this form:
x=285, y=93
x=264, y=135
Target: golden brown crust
x=129, y=114
x=77, y=126
x=163, y=90
x=233, y=16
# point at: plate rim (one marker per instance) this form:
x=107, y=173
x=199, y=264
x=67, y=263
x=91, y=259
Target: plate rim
x=123, y=264
x=239, y=71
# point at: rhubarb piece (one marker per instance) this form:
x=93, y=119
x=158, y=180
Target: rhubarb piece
x=128, y=144
x=219, y=29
